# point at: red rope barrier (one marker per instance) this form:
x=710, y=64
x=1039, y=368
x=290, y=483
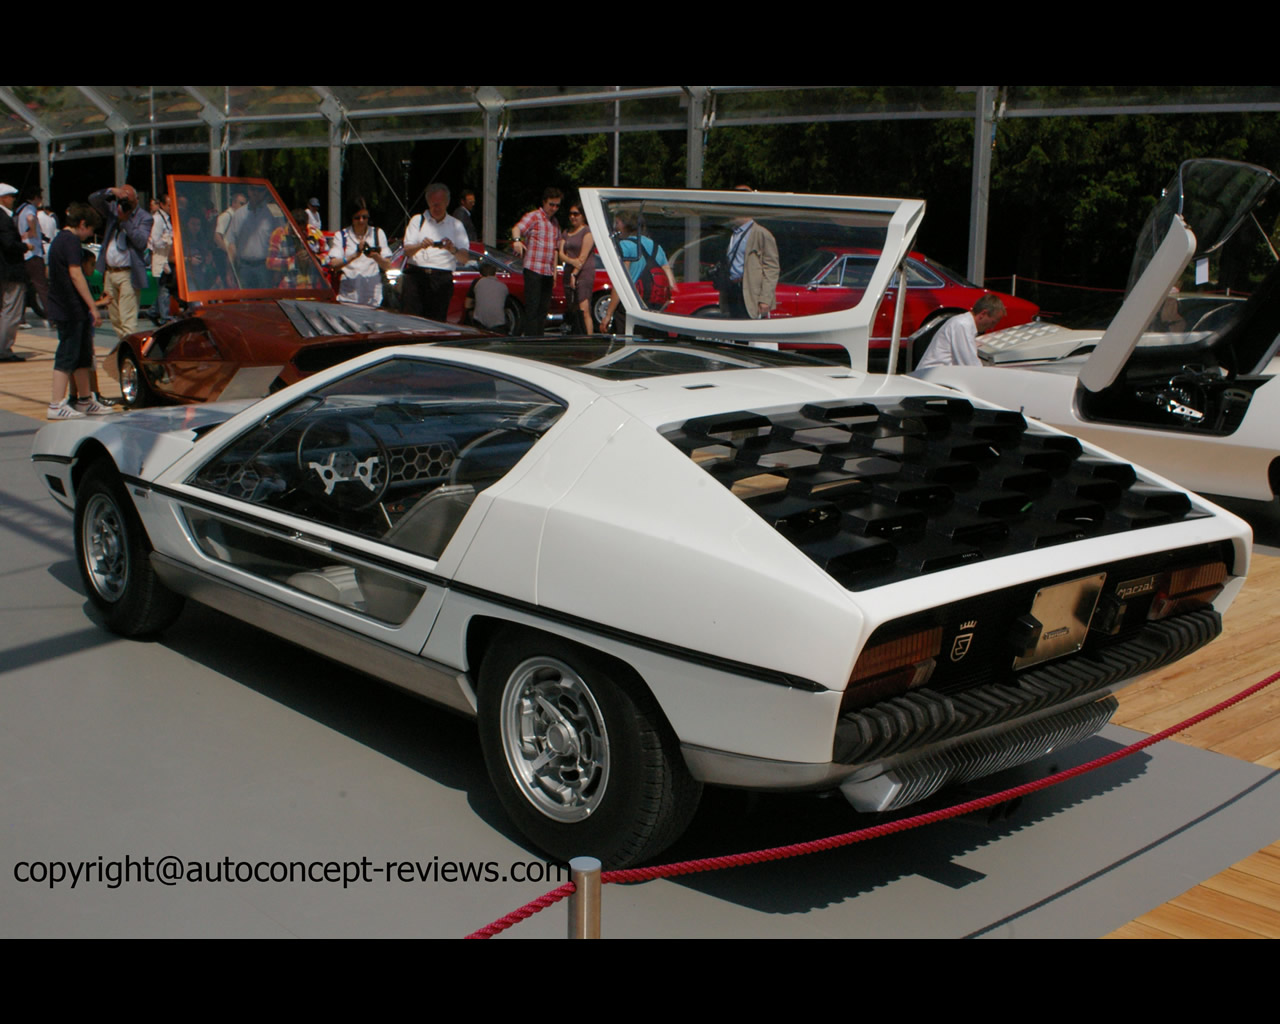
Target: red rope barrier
x=1060, y=284
x=528, y=910
x=690, y=867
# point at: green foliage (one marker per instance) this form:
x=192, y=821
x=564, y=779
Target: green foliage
x=297, y=174
x=647, y=160
x=589, y=161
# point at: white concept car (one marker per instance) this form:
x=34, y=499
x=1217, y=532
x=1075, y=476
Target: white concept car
x=645, y=566
x=1185, y=379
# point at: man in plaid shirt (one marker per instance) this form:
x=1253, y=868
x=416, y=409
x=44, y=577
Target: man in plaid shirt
x=536, y=238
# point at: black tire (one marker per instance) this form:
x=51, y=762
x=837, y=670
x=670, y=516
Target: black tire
x=113, y=555
x=134, y=392
x=599, y=307
x=615, y=786
x=512, y=317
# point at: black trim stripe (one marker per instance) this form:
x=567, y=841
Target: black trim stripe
x=711, y=661
x=285, y=534
x=675, y=651
x=61, y=460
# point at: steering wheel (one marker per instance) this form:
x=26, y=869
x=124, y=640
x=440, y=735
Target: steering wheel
x=344, y=462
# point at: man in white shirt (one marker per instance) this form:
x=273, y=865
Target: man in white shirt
x=161, y=246
x=248, y=239
x=27, y=218
x=48, y=225
x=434, y=242
x=220, y=229
x=956, y=343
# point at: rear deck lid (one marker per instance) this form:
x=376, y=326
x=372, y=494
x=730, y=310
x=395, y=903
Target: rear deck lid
x=673, y=256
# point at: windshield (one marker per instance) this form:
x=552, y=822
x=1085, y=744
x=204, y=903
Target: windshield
x=809, y=268
x=232, y=238
x=633, y=358
x=707, y=260
x=1215, y=198
x=1225, y=206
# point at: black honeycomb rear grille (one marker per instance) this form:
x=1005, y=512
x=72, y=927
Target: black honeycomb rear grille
x=925, y=716
x=881, y=491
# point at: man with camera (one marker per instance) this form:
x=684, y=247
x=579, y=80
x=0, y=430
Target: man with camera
x=124, y=243
x=434, y=242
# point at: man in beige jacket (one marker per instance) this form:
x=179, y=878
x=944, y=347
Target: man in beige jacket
x=752, y=271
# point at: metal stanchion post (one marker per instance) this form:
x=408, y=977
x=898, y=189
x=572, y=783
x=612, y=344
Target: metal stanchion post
x=584, y=904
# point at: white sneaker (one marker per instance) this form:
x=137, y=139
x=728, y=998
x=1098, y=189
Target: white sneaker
x=62, y=411
x=90, y=407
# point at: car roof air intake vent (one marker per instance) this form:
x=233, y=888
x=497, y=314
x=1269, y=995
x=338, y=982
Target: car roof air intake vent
x=881, y=491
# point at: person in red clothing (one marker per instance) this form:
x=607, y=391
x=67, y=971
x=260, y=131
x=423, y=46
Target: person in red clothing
x=536, y=239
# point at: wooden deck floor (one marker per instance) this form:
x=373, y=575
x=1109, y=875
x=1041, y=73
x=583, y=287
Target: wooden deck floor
x=1241, y=902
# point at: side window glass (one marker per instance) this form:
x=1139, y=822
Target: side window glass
x=396, y=452
x=919, y=277
x=858, y=271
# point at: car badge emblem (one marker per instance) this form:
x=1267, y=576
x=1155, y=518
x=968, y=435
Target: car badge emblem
x=960, y=646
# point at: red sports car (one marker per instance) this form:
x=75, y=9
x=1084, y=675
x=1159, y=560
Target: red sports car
x=832, y=278
x=510, y=271
x=255, y=316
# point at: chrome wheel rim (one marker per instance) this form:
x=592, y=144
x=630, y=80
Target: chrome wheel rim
x=129, y=380
x=106, y=553
x=554, y=738
x=599, y=308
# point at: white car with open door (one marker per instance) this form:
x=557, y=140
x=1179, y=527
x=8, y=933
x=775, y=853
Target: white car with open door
x=1194, y=398
x=649, y=566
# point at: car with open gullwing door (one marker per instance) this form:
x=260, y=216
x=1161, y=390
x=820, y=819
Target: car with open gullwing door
x=1185, y=379
x=647, y=566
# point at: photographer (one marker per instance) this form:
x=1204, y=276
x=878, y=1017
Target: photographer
x=124, y=241
x=361, y=255
x=434, y=242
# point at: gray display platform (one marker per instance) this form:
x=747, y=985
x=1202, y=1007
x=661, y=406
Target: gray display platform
x=220, y=743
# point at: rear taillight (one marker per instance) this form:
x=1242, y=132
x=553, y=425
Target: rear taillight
x=892, y=667
x=1185, y=590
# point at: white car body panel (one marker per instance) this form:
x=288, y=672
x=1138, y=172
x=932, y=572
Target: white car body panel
x=1117, y=344
x=612, y=534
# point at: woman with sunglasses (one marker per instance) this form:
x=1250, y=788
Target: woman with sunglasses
x=361, y=255
x=577, y=252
